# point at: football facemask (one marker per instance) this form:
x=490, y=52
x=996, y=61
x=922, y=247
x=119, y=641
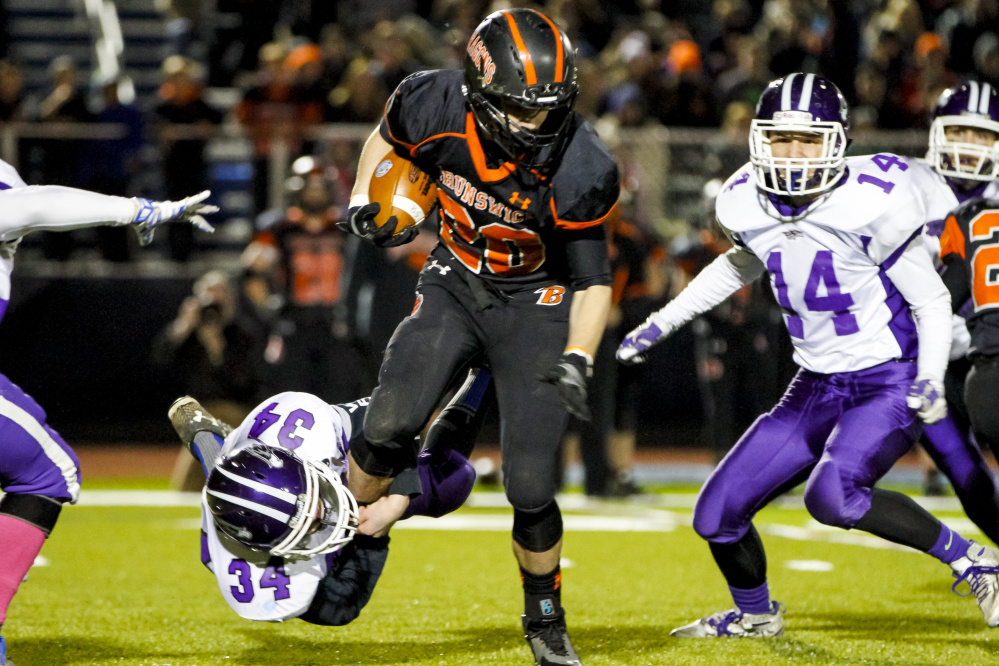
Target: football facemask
x=796, y=176
x=974, y=105
x=963, y=160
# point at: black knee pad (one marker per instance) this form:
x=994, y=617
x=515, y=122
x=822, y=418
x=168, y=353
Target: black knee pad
x=37, y=510
x=538, y=531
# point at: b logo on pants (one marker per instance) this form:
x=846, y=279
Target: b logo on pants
x=550, y=295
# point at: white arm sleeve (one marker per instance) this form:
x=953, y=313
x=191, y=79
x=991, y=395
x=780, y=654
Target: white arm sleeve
x=58, y=208
x=914, y=277
x=722, y=278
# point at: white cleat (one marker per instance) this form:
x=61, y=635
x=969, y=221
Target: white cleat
x=980, y=568
x=737, y=624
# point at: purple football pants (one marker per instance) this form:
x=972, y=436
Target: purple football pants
x=33, y=457
x=841, y=432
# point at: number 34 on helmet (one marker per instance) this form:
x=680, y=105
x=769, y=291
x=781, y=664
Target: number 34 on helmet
x=270, y=500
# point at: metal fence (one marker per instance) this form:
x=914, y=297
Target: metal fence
x=664, y=170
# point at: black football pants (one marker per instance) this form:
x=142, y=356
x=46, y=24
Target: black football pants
x=981, y=395
x=458, y=319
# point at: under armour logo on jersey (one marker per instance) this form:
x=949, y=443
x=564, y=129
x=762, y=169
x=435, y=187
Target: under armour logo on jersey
x=515, y=199
x=442, y=269
x=550, y=295
x=794, y=234
x=741, y=180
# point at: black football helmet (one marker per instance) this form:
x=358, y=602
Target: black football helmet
x=518, y=64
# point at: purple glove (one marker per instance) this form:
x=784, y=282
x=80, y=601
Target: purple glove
x=638, y=342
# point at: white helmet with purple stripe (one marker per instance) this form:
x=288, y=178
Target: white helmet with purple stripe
x=807, y=104
x=970, y=104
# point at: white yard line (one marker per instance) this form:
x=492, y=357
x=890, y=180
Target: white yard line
x=646, y=514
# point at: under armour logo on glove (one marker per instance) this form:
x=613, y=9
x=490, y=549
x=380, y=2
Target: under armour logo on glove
x=926, y=396
x=570, y=376
x=636, y=343
x=151, y=214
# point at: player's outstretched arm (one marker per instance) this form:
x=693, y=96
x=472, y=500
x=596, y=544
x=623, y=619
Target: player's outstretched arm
x=722, y=278
x=56, y=208
x=151, y=214
x=916, y=279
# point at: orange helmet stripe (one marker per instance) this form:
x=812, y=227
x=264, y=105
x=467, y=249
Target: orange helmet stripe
x=525, y=55
x=558, y=46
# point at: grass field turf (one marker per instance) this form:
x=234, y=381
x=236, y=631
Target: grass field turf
x=125, y=586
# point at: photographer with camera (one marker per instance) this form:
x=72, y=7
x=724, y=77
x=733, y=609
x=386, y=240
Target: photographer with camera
x=211, y=350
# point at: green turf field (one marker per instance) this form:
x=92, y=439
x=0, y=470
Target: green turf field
x=124, y=585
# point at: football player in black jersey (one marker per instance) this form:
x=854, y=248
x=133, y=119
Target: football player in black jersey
x=969, y=248
x=519, y=279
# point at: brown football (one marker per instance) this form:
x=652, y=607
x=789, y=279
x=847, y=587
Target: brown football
x=403, y=190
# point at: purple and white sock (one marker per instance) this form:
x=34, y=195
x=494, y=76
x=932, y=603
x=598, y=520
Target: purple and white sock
x=949, y=546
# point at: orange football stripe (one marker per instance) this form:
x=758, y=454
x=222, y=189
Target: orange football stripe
x=525, y=55
x=486, y=174
x=952, y=239
x=569, y=224
x=558, y=43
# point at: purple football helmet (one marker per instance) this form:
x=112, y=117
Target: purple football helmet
x=969, y=105
x=271, y=500
x=800, y=103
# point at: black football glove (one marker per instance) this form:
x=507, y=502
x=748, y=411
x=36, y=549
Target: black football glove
x=570, y=376
x=361, y=222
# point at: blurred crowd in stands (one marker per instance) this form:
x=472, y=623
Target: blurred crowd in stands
x=313, y=310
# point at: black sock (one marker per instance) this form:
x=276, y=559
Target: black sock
x=743, y=562
x=542, y=595
x=896, y=517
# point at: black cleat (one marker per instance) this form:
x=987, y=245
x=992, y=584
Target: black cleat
x=549, y=641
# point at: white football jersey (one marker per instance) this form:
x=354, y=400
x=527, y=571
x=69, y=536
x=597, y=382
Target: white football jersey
x=827, y=260
x=961, y=340
x=9, y=179
x=259, y=587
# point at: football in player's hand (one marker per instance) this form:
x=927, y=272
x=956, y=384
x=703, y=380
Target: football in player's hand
x=403, y=190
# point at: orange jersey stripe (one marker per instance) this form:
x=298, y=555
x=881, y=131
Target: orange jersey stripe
x=568, y=224
x=952, y=239
x=525, y=55
x=558, y=46
x=479, y=156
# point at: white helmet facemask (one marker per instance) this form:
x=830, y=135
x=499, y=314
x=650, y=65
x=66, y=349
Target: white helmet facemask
x=960, y=159
x=796, y=176
x=326, y=517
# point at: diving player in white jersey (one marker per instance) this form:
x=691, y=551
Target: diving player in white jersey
x=38, y=470
x=963, y=152
x=280, y=529
x=870, y=322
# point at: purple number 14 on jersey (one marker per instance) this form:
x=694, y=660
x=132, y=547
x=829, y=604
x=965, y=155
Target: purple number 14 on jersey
x=821, y=273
